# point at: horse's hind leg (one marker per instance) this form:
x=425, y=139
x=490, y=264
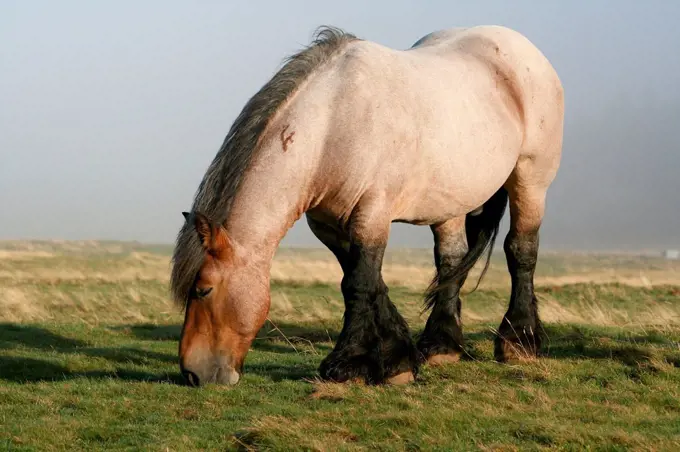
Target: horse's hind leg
x=442, y=339
x=375, y=343
x=519, y=335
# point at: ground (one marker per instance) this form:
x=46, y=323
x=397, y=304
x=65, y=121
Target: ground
x=88, y=360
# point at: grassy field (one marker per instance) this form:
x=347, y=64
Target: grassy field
x=88, y=360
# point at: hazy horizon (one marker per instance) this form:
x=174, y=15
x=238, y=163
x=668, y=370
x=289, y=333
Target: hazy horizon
x=110, y=113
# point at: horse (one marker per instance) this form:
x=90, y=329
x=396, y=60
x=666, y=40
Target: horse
x=356, y=136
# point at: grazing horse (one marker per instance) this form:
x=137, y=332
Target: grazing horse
x=357, y=136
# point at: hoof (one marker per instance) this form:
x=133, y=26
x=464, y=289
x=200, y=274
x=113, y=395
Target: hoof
x=508, y=351
x=401, y=379
x=375, y=366
x=349, y=373
x=517, y=345
x=340, y=370
x=438, y=349
x=444, y=358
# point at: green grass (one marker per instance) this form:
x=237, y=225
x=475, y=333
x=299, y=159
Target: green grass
x=90, y=363
x=78, y=387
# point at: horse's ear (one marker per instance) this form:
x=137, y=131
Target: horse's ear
x=213, y=237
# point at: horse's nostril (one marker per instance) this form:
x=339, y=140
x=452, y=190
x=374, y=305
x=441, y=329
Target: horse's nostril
x=191, y=377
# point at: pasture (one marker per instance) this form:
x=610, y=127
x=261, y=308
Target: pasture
x=88, y=359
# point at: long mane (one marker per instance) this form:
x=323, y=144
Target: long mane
x=223, y=177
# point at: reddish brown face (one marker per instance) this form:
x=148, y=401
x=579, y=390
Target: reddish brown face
x=227, y=307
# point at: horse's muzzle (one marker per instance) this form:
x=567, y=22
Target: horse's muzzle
x=210, y=372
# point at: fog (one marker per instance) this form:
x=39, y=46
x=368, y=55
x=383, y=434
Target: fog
x=110, y=113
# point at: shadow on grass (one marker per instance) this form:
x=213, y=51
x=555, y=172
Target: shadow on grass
x=30, y=370
x=281, y=338
x=626, y=347
x=561, y=342
x=12, y=335
x=633, y=348
x=298, y=333
x=24, y=369
x=282, y=371
x=151, y=332
x=594, y=343
x=287, y=339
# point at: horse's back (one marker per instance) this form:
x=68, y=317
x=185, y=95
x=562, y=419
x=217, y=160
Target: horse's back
x=510, y=55
x=533, y=86
x=461, y=108
x=455, y=68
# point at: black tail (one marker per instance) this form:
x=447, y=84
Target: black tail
x=481, y=231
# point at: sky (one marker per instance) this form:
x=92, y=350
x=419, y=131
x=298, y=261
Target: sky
x=110, y=112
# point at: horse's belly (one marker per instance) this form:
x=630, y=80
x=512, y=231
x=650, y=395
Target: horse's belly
x=453, y=187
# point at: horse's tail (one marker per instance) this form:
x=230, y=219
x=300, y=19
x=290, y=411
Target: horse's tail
x=481, y=230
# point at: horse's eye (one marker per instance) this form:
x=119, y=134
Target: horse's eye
x=202, y=293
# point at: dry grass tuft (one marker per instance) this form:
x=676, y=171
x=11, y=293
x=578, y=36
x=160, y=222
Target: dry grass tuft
x=289, y=431
x=333, y=392
x=17, y=305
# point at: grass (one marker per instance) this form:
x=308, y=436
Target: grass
x=88, y=361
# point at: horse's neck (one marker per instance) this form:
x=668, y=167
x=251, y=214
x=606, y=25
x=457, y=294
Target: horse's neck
x=267, y=205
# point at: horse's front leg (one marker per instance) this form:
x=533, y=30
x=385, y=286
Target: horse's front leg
x=375, y=344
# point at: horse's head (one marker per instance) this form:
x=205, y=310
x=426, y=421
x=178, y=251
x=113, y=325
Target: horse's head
x=226, y=307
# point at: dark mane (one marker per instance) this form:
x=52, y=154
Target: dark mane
x=223, y=178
